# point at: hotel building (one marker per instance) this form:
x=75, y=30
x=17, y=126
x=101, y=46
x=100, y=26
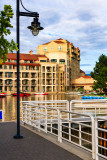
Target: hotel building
x=52, y=69
x=67, y=57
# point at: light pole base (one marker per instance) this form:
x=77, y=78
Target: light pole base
x=17, y=136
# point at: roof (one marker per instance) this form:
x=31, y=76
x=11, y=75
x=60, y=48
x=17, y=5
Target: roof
x=58, y=42
x=21, y=64
x=46, y=43
x=81, y=71
x=85, y=76
x=60, y=39
x=33, y=57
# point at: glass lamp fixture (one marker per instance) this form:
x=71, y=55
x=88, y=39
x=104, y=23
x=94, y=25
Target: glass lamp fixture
x=35, y=27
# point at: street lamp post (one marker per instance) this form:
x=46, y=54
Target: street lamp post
x=35, y=28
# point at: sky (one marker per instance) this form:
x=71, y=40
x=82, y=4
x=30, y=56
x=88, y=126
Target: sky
x=81, y=22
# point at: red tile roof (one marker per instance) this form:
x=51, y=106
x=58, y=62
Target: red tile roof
x=86, y=76
x=60, y=39
x=46, y=43
x=58, y=42
x=22, y=64
x=71, y=44
x=81, y=71
x=33, y=57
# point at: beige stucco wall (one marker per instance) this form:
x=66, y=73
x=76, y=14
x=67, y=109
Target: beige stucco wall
x=84, y=82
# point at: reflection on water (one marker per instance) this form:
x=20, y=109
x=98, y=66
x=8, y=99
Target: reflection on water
x=9, y=104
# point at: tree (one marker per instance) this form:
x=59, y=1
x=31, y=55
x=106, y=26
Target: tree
x=5, y=45
x=100, y=73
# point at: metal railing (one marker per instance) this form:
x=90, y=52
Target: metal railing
x=76, y=123
x=55, y=118
x=93, y=107
x=101, y=137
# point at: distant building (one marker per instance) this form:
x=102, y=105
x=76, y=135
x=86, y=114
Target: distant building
x=85, y=82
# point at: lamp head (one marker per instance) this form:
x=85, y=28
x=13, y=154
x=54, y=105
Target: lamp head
x=35, y=27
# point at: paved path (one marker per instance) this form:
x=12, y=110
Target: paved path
x=31, y=147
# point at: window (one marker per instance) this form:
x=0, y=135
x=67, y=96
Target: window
x=10, y=66
x=5, y=74
x=62, y=61
x=21, y=67
x=37, y=67
x=5, y=88
x=25, y=61
x=0, y=66
x=67, y=69
x=53, y=60
x=45, y=48
x=33, y=67
x=10, y=88
x=60, y=47
x=8, y=60
x=27, y=67
x=5, y=67
x=10, y=74
x=42, y=60
x=5, y=81
x=31, y=61
x=15, y=60
x=10, y=82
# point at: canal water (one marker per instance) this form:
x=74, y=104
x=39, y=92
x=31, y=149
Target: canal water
x=9, y=103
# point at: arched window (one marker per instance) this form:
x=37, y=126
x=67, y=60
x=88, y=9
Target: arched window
x=45, y=48
x=60, y=47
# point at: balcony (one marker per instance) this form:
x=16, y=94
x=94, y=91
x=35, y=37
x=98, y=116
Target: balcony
x=49, y=76
x=33, y=84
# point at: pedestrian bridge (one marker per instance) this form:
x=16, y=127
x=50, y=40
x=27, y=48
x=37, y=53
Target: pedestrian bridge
x=82, y=123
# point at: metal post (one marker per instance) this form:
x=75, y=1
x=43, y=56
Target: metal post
x=18, y=136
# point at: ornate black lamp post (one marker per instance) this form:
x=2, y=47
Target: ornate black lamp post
x=35, y=28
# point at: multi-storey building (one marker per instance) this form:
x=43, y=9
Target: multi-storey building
x=32, y=76
x=52, y=69
x=67, y=57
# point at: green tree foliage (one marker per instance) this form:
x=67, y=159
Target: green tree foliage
x=100, y=73
x=5, y=25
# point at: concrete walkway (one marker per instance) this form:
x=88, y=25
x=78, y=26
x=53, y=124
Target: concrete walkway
x=31, y=147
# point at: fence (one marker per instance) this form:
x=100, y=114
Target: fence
x=93, y=107
x=73, y=123
x=101, y=137
x=54, y=119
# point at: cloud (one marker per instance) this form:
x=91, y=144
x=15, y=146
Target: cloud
x=81, y=22
x=85, y=65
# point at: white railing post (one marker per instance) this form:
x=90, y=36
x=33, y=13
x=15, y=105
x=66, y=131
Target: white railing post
x=30, y=119
x=80, y=135
x=96, y=139
x=26, y=113
x=46, y=119
x=69, y=131
x=71, y=105
x=59, y=127
x=68, y=108
x=93, y=137
x=39, y=118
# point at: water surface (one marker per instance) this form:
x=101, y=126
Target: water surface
x=9, y=103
